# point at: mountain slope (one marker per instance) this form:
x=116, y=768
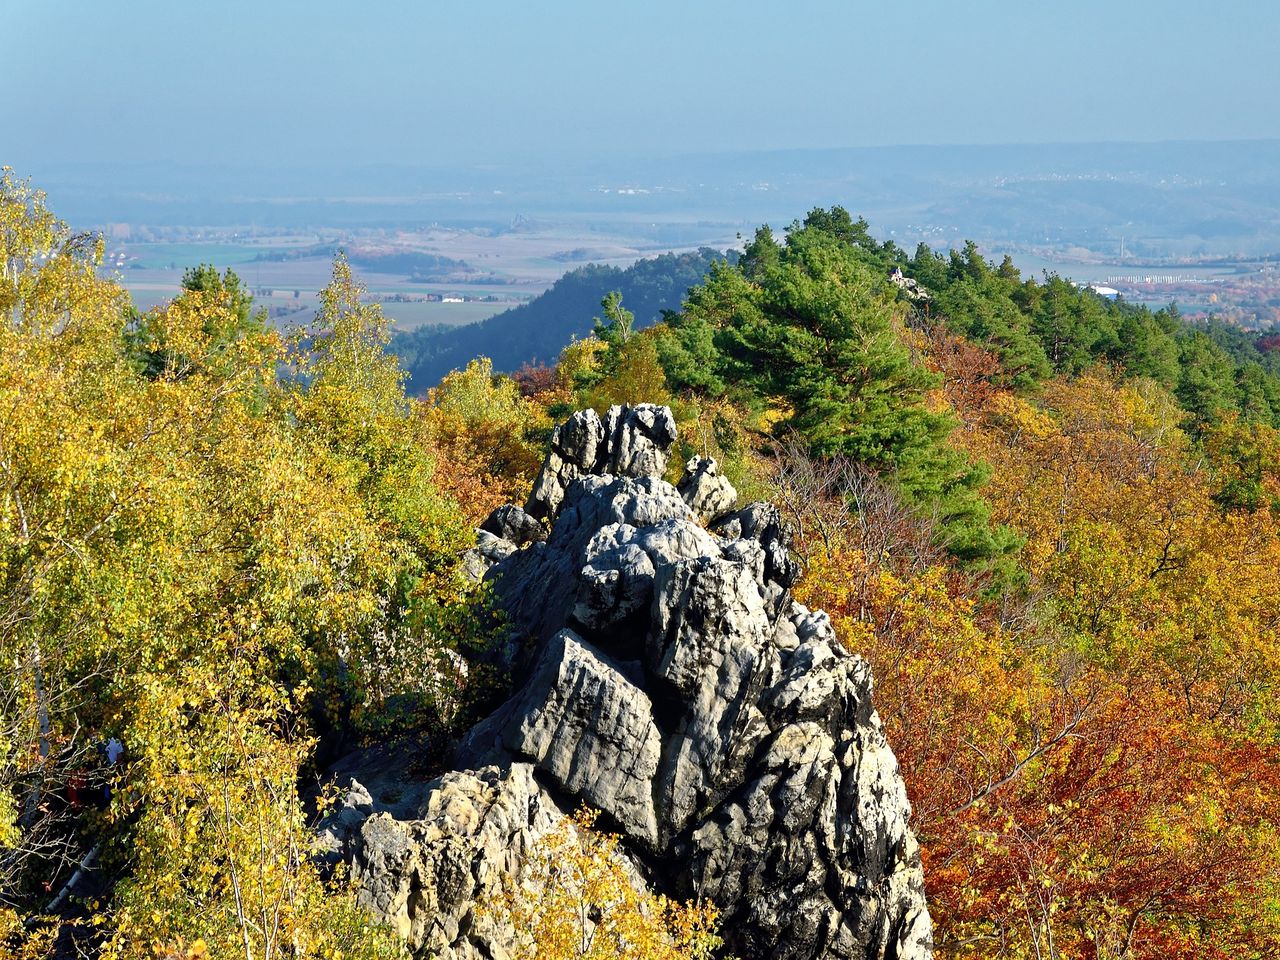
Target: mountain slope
x=539, y=330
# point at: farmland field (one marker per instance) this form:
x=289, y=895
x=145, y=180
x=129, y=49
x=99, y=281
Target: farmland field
x=407, y=316
x=404, y=315
x=152, y=273
x=179, y=256
x=512, y=267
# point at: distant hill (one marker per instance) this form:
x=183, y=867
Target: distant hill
x=539, y=330
x=414, y=264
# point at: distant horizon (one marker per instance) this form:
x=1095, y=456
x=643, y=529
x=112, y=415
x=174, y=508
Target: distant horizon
x=657, y=156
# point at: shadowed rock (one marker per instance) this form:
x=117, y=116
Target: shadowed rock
x=512, y=524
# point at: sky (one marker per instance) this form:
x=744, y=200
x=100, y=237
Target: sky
x=442, y=83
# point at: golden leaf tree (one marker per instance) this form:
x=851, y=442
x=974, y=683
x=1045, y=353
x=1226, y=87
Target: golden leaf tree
x=577, y=899
x=193, y=549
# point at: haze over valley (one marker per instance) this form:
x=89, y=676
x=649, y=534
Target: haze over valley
x=1186, y=222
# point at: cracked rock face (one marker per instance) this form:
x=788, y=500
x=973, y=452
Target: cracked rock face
x=671, y=682
x=424, y=876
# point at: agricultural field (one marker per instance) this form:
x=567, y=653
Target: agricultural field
x=285, y=271
x=288, y=288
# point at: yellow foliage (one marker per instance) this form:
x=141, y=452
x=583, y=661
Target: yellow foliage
x=483, y=430
x=579, y=361
x=189, y=545
x=1149, y=573
x=577, y=900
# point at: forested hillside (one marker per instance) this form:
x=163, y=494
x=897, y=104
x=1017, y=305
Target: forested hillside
x=1085, y=713
x=537, y=331
x=1049, y=523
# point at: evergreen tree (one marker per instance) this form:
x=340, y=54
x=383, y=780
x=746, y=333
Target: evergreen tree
x=982, y=311
x=928, y=268
x=819, y=330
x=616, y=327
x=1074, y=329
x=1206, y=384
x=1145, y=348
x=760, y=253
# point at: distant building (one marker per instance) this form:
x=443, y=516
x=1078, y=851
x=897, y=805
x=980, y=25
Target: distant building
x=452, y=300
x=1109, y=293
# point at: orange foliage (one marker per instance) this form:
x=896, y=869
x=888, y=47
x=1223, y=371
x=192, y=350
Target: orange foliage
x=968, y=371
x=464, y=468
x=479, y=426
x=1098, y=776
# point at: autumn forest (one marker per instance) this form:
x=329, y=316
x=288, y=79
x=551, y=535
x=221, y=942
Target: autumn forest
x=231, y=553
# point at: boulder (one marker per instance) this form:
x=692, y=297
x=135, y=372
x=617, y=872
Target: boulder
x=513, y=525
x=708, y=493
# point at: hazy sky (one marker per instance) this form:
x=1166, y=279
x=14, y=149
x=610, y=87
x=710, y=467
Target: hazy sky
x=271, y=82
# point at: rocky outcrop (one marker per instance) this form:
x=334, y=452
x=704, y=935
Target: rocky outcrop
x=909, y=289
x=425, y=874
x=630, y=442
x=583, y=722
x=670, y=681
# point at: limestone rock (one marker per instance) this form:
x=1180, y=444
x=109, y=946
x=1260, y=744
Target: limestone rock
x=587, y=726
x=615, y=583
x=637, y=440
x=709, y=643
x=631, y=442
x=540, y=587
x=667, y=678
x=425, y=876
x=475, y=565
x=513, y=525
x=574, y=452
x=489, y=549
x=908, y=288
x=708, y=492
x=763, y=523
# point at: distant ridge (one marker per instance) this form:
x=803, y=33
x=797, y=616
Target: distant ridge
x=538, y=330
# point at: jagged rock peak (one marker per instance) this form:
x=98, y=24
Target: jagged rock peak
x=631, y=442
x=669, y=680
